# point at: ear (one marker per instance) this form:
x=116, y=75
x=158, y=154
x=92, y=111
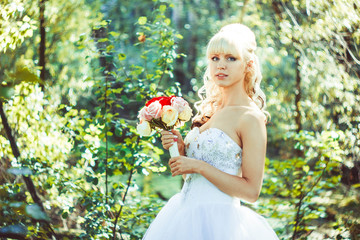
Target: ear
x=249, y=65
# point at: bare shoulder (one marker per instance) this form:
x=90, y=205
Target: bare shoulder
x=252, y=130
x=252, y=118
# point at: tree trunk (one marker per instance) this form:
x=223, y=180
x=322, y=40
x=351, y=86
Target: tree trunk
x=42, y=40
x=219, y=9
x=298, y=96
x=106, y=62
x=179, y=69
x=242, y=13
x=193, y=40
x=298, y=152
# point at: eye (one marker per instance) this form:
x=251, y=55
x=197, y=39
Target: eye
x=232, y=59
x=215, y=59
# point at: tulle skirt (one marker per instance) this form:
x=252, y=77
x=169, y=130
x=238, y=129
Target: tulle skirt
x=208, y=220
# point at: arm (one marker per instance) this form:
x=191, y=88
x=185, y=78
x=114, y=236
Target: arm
x=247, y=186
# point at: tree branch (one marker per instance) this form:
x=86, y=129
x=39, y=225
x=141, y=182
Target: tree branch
x=123, y=200
x=27, y=179
x=124, y=197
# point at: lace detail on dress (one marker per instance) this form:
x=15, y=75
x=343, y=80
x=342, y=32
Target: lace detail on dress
x=214, y=147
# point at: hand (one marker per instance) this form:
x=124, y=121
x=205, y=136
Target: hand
x=183, y=165
x=169, y=137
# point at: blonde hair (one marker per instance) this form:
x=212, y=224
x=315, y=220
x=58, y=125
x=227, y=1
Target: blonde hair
x=238, y=40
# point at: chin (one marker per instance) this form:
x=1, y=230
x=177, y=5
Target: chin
x=221, y=84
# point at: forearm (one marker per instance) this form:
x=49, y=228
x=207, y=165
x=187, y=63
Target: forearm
x=232, y=185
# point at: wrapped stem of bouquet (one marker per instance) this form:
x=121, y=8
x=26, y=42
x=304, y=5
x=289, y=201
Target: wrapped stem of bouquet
x=164, y=113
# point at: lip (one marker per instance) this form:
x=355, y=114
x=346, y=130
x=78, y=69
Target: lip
x=221, y=75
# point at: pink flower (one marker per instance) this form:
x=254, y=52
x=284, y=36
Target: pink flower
x=179, y=103
x=150, y=112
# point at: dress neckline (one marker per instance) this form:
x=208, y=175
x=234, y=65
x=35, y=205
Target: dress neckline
x=218, y=129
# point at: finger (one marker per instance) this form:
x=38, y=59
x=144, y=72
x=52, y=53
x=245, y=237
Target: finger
x=175, y=173
x=172, y=160
x=172, y=170
x=176, y=133
x=169, y=137
x=175, y=169
x=168, y=145
x=166, y=133
x=174, y=164
x=168, y=142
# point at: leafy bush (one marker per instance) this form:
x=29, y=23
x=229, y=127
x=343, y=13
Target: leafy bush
x=298, y=186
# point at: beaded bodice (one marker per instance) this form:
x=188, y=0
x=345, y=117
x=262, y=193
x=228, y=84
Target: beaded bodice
x=219, y=150
x=214, y=147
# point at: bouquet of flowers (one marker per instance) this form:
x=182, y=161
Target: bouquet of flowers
x=163, y=113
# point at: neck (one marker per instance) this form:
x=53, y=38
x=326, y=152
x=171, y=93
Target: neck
x=235, y=95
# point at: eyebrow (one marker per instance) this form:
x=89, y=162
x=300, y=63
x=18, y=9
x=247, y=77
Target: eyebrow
x=226, y=55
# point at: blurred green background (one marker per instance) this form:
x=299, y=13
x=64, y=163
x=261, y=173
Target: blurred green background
x=74, y=74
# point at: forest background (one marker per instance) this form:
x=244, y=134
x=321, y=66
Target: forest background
x=74, y=74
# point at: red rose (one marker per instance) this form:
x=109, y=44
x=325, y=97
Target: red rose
x=162, y=100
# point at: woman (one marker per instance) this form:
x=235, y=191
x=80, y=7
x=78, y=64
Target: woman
x=222, y=157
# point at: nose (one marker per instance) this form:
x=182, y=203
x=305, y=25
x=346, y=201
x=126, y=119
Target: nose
x=221, y=65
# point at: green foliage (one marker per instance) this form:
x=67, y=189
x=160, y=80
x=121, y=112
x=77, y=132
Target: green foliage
x=77, y=135
x=77, y=156
x=17, y=217
x=304, y=180
x=44, y=152
x=15, y=24
x=119, y=150
x=22, y=73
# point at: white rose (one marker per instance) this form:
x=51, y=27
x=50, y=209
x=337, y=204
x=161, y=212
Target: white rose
x=186, y=114
x=144, y=128
x=169, y=115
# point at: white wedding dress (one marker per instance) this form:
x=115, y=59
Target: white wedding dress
x=201, y=211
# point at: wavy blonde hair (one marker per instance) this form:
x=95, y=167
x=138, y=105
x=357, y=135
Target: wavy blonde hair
x=238, y=40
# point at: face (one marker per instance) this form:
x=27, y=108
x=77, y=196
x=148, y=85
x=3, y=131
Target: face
x=226, y=69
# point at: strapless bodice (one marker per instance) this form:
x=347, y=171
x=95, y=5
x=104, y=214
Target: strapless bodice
x=216, y=148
